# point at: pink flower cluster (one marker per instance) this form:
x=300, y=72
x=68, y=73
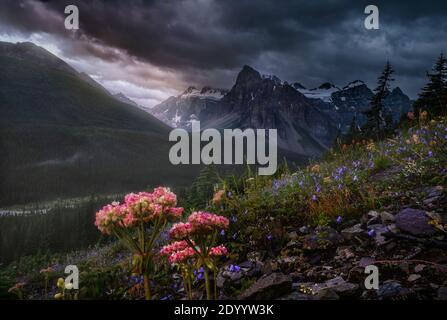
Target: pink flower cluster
x=180, y=251
x=173, y=247
x=219, y=251
x=199, y=222
x=143, y=206
x=181, y=256
x=149, y=206
x=111, y=215
x=180, y=230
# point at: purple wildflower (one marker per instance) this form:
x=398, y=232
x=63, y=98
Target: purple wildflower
x=235, y=268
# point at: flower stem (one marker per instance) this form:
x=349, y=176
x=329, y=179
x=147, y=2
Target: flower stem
x=207, y=283
x=215, y=285
x=147, y=287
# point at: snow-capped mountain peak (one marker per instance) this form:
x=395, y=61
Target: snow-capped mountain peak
x=353, y=84
x=323, y=92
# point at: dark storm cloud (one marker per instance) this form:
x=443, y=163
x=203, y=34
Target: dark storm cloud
x=208, y=41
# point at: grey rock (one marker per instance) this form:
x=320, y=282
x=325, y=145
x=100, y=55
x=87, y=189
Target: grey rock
x=327, y=294
x=366, y=261
x=350, y=233
x=323, y=238
x=391, y=289
x=414, y=222
x=268, y=287
x=386, y=217
x=341, y=287
x=414, y=277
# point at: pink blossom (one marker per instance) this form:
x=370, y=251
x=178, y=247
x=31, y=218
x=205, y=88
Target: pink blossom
x=180, y=230
x=109, y=216
x=176, y=213
x=181, y=256
x=173, y=247
x=219, y=251
x=165, y=197
x=205, y=222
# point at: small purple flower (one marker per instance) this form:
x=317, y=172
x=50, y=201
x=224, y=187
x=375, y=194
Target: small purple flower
x=229, y=194
x=372, y=233
x=269, y=237
x=222, y=232
x=234, y=236
x=314, y=197
x=199, y=273
x=318, y=190
x=430, y=154
x=233, y=219
x=339, y=219
x=235, y=268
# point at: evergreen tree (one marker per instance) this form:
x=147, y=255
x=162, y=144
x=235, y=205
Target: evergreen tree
x=433, y=97
x=202, y=188
x=378, y=121
x=354, y=131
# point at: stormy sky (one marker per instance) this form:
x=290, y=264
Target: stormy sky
x=150, y=50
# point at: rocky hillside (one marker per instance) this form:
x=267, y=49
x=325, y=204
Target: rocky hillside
x=301, y=235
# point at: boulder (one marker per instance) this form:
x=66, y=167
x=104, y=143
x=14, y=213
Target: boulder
x=350, y=233
x=391, y=290
x=414, y=222
x=323, y=238
x=270, y=287
x=386, y=217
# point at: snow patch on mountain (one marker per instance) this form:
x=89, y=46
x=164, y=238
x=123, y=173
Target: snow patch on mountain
x=323, y=92
x=204, y=93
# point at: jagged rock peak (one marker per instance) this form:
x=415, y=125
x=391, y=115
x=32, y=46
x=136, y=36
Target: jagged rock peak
x=298, y=86
x=247, y=74
x=327, y=86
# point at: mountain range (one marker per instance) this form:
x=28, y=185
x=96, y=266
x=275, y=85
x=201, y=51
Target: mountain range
x=307, y=120
x=63, y=134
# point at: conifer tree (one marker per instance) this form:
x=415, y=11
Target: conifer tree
x=354, y=131
x=378, y=121
x=202, y=188
x=433, y=97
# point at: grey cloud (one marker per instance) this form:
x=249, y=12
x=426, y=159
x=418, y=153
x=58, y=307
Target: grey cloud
x=206, y=42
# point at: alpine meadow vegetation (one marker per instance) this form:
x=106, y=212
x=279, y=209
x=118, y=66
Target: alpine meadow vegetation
x=249, y=236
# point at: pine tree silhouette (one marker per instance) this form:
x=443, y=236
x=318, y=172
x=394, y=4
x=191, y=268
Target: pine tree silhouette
x=378, y=123
x=433, y=97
